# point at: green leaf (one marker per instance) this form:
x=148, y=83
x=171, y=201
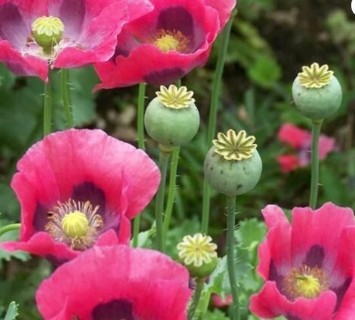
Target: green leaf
x=265, y=71
x=12, y=311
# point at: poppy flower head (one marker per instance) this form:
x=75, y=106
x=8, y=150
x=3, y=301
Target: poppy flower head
x=165, y=44
x=112, y=284
x=80, y=188
x=300, y=140
x=35, y=34
x=306, y=264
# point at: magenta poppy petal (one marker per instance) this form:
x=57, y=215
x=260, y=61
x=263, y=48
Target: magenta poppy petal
x=275, y=252
x=288, y=162
x=224, y=9
x=22, y=65
x=157, y=291
x=293, y=136
x=311, y=239
x=269, y=303
x=319, y=246
x=326, y=145
x=81, y=166
x=138, y=60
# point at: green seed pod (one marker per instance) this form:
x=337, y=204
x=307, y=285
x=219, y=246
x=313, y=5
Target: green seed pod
x=233, y=165
x=198, y=254
x=47, y=32
x=316, y=92
x=172, y=118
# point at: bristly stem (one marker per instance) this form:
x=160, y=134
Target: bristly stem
x=316, y=127
x=9, y=227
x=231, y=212
x=159, y=205
x=140, y=115
x=171, y=190
x=140, y=133
x=200, y=282
x=65, y=88
x=47, y=106
x=211, y=130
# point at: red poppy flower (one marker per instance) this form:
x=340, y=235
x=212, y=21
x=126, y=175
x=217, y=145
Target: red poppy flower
x=308, y=265
x=78, y=188
x=90, y=31
x=301, y=141
x=116, y=282
x=166, y=43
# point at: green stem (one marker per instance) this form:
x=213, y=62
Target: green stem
x=211, y=130
x=65, y=88
x=140, y=134
x=200, y=282
x=159, y=205
x=231, y=212
x=9, y=227
x=47, y=113
x=317, y=124
x=140, y=115
x=171, y=190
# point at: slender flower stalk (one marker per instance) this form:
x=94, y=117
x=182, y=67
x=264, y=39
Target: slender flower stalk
x=65, y=88
x=231, y=212
x=9, y=227
x=315, y=163
x=140, y=132
x=47, y=106
x=200, y=282
x=216, y=88
x=171, y=190
x=164, y=158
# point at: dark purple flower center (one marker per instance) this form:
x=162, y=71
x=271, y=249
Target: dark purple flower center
x=312, y=273
x=115, y=309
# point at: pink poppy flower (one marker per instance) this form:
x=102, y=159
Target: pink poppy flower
x=116, y=282
x=301, y=141
x=165, y=44
x=79, y=188
x=90, y=31
x=220, y=301
x=308, y=265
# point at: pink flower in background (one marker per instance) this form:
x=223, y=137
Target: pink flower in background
x=116, y=282
x=220, y=301
x=308, y=265
x=90, y=32
x=79, y=188
x=165, y=44
x=300, y=140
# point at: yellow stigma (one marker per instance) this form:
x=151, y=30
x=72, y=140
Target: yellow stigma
x=167, y=41
x=197, y=250
x=47, y=32
x=305, y=282
x=75, y=224
x=233, y=146
x=315, y=76
x=176, y=98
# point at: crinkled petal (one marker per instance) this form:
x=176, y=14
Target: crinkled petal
x=157, y=291
x=270, y=303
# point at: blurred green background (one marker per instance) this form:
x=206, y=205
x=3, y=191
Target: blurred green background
x=271, y=40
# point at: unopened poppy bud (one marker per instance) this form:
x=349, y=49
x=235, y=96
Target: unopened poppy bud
x=172, y=118
x=233, y=165
x=198, y=254
x=47, y=32
x=316, y=92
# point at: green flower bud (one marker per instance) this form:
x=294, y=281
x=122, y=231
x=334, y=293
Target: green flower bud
x=47, y=32
x=172, y=118
x=233, y=165
x=198, y=254
x=316, y=92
